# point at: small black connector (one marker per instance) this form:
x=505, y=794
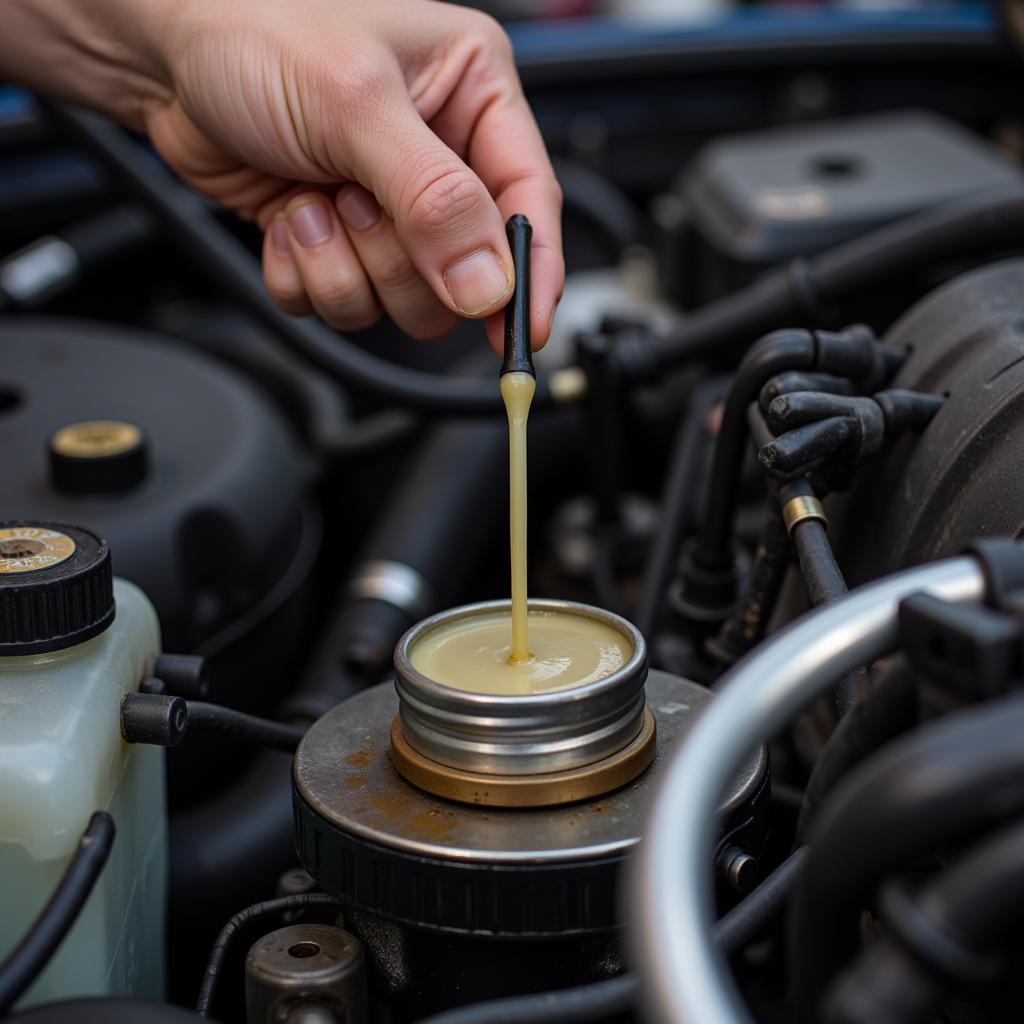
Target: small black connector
x=153, y=718
x=976, y=651
x=163, y=720
x=185, y=675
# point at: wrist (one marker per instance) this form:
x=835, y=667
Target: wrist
x=106, y=54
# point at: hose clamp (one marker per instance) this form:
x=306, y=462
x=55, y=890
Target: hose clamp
x=800, y=509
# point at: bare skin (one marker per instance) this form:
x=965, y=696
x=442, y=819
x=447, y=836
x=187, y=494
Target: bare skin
x=380, y=144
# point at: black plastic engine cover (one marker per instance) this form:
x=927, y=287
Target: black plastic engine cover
x=218, y=518
x=752, y=201
x=964, y=476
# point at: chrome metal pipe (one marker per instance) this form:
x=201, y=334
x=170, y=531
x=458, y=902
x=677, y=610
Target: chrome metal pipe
x=684, y=976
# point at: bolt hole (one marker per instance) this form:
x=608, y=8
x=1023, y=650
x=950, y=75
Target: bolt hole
x=10, y=399
x=20, y=547
x=303, y=950
x=836, y=166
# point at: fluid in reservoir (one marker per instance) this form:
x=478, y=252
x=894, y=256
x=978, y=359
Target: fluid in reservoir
x=473, y=653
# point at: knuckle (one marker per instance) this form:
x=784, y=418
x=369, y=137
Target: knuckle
x=293, y=303
x=394, y=272
x=286, y=294
x=354, y=82
x=357, y=323
x=491, y=33
x=450, y=194
x=353, y=319
x=340, y=293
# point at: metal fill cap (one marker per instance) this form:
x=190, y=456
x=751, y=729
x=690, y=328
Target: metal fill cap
x=521, y=734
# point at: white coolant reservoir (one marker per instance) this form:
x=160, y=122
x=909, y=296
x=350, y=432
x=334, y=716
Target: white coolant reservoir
x=73, y=641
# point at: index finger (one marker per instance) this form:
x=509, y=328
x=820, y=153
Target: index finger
x=507, y=152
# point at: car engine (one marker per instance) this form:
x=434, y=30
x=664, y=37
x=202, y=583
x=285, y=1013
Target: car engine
x=772, y=452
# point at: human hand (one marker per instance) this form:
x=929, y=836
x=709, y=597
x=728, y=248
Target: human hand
x=381, y=146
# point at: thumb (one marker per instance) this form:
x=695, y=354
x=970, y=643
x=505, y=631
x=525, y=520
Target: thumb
x=448, y=224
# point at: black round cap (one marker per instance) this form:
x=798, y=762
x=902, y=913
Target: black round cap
x=56, y=587
x=98, y=457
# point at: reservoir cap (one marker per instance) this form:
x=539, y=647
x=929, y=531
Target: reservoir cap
x=56, y=587
x=98, y=457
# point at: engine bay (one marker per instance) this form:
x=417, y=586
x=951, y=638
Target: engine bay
x=771, y=453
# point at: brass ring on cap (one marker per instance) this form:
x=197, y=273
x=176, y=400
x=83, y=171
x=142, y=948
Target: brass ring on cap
x=544, y=790
x=31, y=548
x=96, y=439
x=801, y=508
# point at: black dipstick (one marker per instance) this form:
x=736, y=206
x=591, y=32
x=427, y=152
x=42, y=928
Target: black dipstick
x=518, y=356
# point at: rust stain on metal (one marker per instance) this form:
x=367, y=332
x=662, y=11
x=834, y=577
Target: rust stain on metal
x=360, y=759
x=401, y=807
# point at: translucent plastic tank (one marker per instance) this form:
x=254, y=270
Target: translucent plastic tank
x=61, y=758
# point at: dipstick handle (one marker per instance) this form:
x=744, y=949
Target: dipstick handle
x=518, y=354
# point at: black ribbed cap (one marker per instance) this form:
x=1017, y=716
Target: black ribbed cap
x=56, y=587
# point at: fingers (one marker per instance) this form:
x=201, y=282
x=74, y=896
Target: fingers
x=319, y=266
x=444, y=216
x=280, y=272
x=400, y=287
x=488, y=120
x=312, y=262
x=507, y=151
x=436, y=245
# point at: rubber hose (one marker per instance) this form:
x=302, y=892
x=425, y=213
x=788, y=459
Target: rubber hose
x=31, y=955
x=677, y=505
x=968, y=908
x=615, y=996
x=798, y=292
x=933, y=787
x=889, y=711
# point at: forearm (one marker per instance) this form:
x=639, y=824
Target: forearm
x=106, y=54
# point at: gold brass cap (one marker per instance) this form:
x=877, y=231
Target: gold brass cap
x=95, y=439
x=31, y=548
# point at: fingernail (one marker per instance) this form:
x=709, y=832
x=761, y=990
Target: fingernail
x=279, y=235
x=310, y=222
x=358, y=209
x=477, y=282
